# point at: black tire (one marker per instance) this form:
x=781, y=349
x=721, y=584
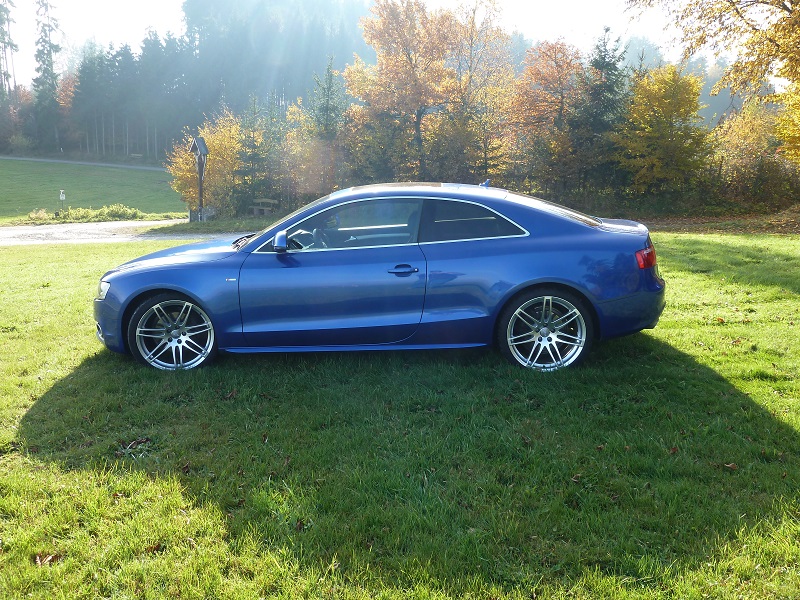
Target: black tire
x=545, y=329
x=171, y=332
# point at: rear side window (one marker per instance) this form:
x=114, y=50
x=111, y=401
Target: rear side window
x=450, y=220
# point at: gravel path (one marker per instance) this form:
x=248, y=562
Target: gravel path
x=86, y=233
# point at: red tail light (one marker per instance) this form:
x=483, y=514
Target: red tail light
x=647, y=258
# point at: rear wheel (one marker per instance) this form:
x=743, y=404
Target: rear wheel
x=545, y=330
x=170, y=332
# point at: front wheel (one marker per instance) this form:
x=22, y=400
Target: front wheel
x=545, y=330
x=170, y=332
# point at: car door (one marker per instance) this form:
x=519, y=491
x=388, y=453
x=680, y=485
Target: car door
x=353, y=275
x=470, y=255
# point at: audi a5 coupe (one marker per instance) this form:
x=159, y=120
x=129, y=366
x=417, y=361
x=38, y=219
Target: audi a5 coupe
x=391, y=267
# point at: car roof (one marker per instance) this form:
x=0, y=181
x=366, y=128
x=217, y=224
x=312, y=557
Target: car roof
x=461, y=191
x=414, y=189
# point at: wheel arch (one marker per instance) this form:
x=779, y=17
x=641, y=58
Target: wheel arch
x=144, y=296
x=551, y=285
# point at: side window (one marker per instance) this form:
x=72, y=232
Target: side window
x=382, y=222
x=449, y=220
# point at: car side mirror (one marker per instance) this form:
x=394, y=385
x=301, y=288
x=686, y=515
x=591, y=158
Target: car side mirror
x=280, y=243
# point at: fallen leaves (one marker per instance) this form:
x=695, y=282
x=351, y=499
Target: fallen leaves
x=44, y=559
x=127, y=448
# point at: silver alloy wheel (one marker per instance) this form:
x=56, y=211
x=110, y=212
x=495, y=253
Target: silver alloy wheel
x=546, y=333
x=174, y=334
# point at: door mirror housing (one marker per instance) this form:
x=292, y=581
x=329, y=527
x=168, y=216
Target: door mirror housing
x=280, y=243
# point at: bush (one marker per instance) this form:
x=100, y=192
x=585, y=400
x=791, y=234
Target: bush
x=115, y=212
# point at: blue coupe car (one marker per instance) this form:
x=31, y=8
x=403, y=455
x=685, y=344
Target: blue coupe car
x=391, y=267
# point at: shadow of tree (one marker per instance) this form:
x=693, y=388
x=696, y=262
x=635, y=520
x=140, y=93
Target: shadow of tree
x=452, y=467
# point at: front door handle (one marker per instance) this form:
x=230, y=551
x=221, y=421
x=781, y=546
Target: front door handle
x=403, y=270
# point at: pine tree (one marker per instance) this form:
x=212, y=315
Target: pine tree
x=45, y=84
x=7, y=48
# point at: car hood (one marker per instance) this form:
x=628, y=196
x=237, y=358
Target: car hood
x=199, y=252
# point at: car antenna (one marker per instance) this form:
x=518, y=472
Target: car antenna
x=486, y=183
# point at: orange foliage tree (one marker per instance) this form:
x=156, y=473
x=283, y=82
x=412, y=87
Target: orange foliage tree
x=411, y=78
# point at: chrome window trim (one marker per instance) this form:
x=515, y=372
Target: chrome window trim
x=525, y=233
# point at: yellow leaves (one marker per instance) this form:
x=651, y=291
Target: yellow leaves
x=788, y=126
x=661, y=141
x=411, y=46
x=765, y=35
x=223, y=136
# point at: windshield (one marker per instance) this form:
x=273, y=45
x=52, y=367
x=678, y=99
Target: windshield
x=292, y=214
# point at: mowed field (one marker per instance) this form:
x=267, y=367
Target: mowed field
x=27, y=186
x=668, y=466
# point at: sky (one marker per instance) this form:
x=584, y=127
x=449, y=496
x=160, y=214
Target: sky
x=578, y=22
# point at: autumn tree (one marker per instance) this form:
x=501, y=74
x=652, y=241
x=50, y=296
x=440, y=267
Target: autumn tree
x=470, y=132
x=411, y=78
x=661, y=142
x=544, y=98
x=377, y=147
x=788, y=125
x=765, y=34
x=748, y=168
x=223, y=136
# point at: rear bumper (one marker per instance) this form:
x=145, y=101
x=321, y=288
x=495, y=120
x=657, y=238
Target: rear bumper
x=630, y=314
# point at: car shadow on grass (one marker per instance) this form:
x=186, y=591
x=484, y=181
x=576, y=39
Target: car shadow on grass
x=448, y=468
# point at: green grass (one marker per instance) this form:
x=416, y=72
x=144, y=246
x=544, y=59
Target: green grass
x=666, y=467
x=29, y=186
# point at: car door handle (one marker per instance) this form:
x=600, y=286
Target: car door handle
x=402, y=270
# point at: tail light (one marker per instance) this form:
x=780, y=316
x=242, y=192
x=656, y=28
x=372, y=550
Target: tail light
x=647, y=258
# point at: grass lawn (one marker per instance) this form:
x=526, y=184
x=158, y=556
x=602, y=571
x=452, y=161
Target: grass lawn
x=668, y=466
x=27, y=186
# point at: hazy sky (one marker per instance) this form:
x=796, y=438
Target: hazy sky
x=579, y=22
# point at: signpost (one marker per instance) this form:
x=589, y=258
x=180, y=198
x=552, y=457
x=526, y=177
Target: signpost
x=200, y=151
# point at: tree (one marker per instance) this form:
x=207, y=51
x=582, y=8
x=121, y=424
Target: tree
x=223, y=136
x=545, y=97
x=599, y=109
x=748, y=168
x=765, y=33
x=45, y=84
x=412, y=78
x=661, y=142
x=7, y=49
x=327, y=104
x=477, y=112
x=788, y=126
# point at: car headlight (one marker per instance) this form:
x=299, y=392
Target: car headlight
x=102, y=290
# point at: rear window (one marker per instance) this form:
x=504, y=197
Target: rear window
x=557, y=209
x=450, y=220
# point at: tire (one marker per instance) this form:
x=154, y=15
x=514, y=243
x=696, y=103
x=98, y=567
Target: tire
x=171, y=332
x=545, y=330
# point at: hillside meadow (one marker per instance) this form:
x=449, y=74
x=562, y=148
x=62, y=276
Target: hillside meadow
x=28, y=186
x=668, y=466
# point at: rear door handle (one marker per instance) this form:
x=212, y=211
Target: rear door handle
x=404, y=270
